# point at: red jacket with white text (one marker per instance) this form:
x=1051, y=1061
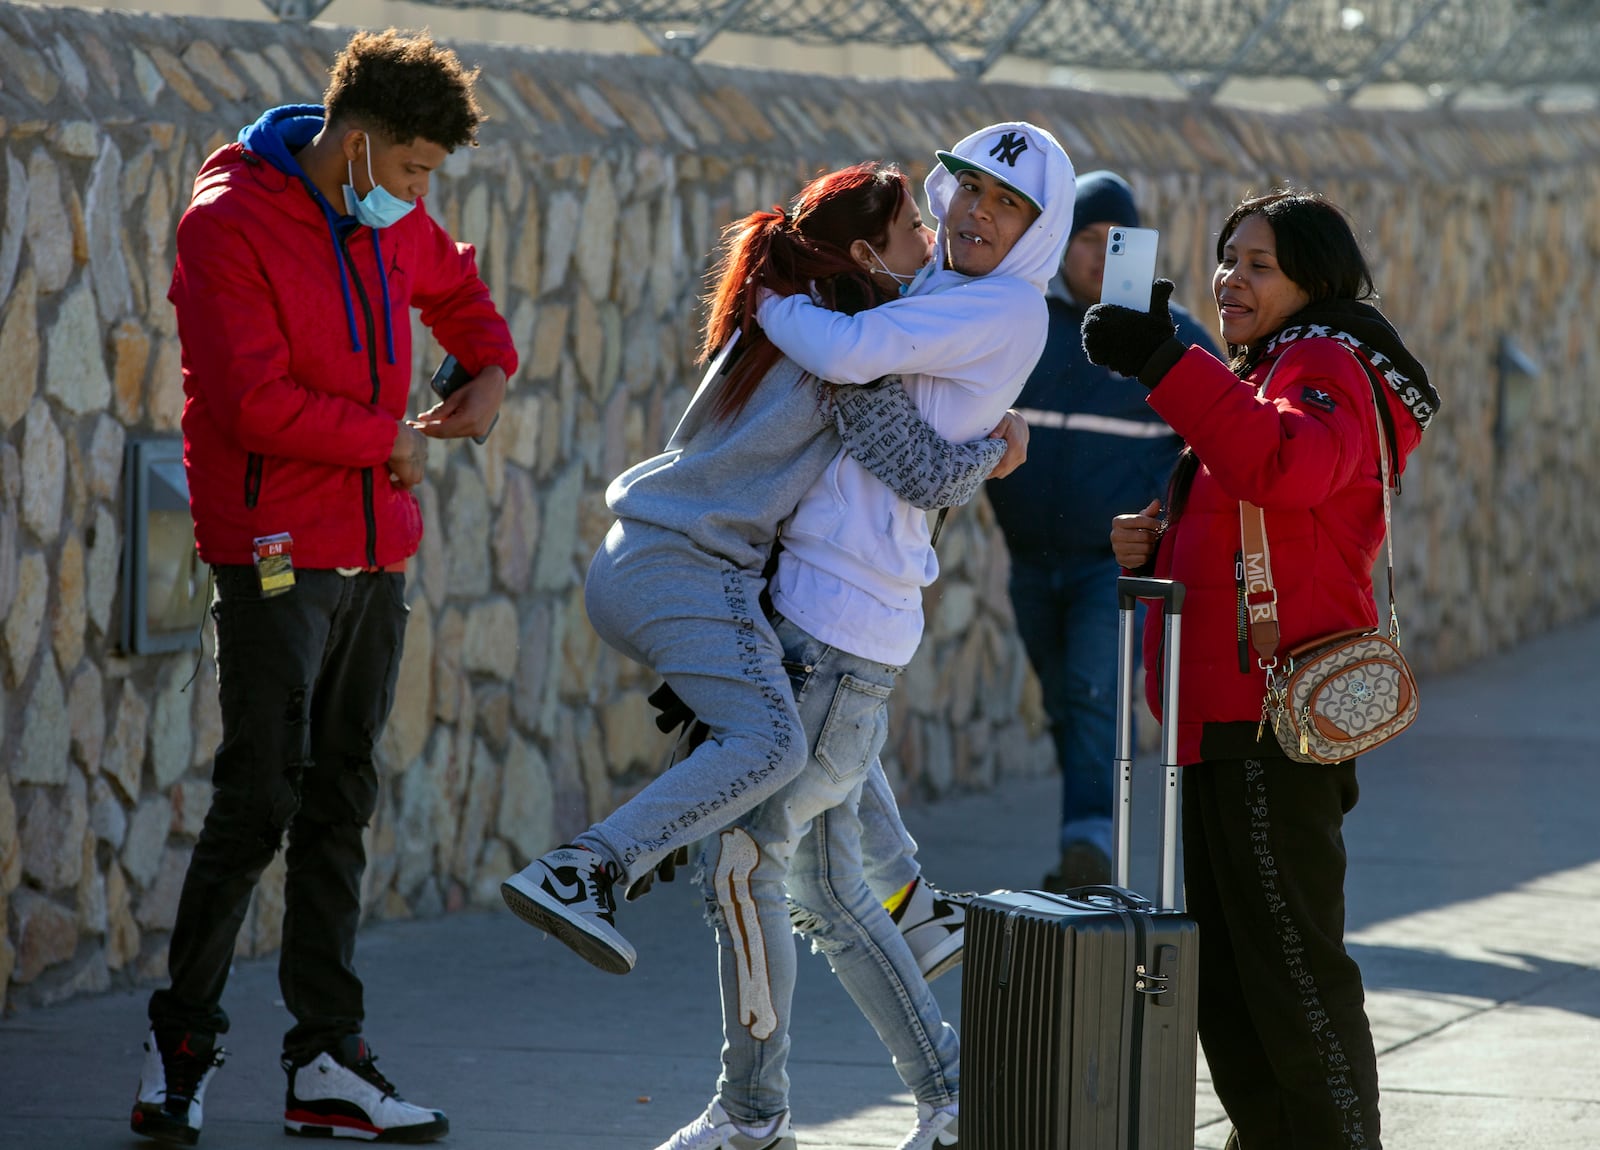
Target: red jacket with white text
x=295, y=324
x=1305, y=450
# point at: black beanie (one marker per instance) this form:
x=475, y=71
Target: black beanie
x=1103, y=198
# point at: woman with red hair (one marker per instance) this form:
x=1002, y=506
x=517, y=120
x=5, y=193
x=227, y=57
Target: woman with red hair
x=678, y=583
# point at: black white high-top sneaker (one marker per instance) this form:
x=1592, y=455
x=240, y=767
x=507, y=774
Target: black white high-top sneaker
x=340, y=1094
x=934, y=924
x=567, y=893
x=172, y=1087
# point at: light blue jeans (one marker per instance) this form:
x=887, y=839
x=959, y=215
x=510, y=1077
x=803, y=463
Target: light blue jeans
x=808, y=836
x=696, y=619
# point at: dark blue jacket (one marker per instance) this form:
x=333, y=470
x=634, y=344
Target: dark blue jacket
x=1095, y=448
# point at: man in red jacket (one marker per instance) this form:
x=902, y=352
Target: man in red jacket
x=298, y=260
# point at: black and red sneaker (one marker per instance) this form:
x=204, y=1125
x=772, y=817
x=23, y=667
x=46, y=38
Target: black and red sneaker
x=340, y=1094
x=172, y=1086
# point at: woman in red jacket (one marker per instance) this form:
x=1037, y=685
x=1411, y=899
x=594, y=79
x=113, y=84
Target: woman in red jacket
x=1288, y=424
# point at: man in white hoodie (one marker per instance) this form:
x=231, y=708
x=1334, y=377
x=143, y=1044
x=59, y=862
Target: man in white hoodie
x=963, y=340
x=849, y=595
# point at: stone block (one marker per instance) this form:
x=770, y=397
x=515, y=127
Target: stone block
x=171, y=735
x=526, y=808
x=13, y=224
x=147, y=839
x=93, y=916
x=122, y=932
x=46, y=933
x=477, y=812
x=10, y=842
x=53, y=823
x=554, y=567
x=422, y=797
x=560, y=238
x=49, y=231
x=108, y=821
x=130, y=358
x=492, y=702
x=44, y=472
x=157, y=909
x=71, y=609
x=411, y=717
x=104, y=554
x=75, y=364
x=41, y=755
x=516, y=527
x=467, y=550
x=203, y=59
x=490, y=639
x=490, y=872
x=104, y=461
x=191, y=799
x=207, y=714
x=597, y=233
x=124, y=753
x=448, y=680
x=19, y=349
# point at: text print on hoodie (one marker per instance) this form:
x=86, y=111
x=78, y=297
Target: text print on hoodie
x=856, y=556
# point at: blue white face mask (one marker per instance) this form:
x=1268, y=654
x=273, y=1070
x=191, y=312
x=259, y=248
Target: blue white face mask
x=909, y=283
x=378, y=208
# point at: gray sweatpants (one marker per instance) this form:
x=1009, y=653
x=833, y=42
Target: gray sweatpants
x=696, y=619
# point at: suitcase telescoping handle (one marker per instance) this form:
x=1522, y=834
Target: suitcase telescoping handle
x=1130, y=589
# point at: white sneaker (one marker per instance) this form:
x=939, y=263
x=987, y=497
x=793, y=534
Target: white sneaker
x=340, y=1094
x=567, y=893
x=714, y=1130
x=934, y=924
x=933, y=1128
x=172, y=1088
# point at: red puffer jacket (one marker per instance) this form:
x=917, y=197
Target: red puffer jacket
x=1306, y=452
x=297, y=354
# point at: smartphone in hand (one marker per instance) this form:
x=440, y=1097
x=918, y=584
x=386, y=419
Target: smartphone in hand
x=1130, y=267
x=451, y=377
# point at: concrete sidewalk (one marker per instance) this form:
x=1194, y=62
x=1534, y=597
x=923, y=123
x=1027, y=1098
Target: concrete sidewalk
x=1474, y=908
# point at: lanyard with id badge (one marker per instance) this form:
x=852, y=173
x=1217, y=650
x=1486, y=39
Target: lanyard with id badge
x=274, y=565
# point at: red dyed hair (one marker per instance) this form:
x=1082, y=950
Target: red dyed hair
x=806, y=247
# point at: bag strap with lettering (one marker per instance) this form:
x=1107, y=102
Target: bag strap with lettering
x=1261, y=597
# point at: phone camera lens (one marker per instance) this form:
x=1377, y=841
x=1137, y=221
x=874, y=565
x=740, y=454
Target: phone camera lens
x=1115, y=248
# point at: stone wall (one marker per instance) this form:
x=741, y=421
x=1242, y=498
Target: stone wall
x=600, y=186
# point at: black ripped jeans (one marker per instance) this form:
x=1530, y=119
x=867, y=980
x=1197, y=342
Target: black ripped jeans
x=306, y=680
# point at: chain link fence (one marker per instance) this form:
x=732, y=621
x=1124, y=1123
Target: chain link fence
x=1445, y=46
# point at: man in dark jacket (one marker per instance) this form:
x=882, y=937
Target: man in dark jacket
x=299, y=259
x=1096, y=451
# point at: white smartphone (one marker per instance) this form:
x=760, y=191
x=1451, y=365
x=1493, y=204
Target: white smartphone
x=1130, y=267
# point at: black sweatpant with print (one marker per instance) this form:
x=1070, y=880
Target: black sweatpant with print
x=1282, y=1013
x=306, y=680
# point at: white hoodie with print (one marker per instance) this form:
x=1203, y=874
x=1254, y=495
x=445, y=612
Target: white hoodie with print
x=855, y=555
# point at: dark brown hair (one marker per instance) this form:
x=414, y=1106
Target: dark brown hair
x=1318, y=250
x=404, y=86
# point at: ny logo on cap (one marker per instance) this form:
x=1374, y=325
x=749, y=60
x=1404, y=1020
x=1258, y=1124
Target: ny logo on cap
x=1011, y=145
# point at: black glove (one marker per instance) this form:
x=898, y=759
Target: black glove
x=666, y=870
x=1127, y=341
x=674, y=712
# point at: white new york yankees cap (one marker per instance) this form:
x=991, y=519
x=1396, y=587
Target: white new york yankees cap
x=1009, y=154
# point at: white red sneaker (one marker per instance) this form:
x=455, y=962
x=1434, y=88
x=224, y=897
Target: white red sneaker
x=934, y=924
x=714, y=1130
x=340, y=1094
x=934, y=1129
x=567, y=893
x=172, y=1087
